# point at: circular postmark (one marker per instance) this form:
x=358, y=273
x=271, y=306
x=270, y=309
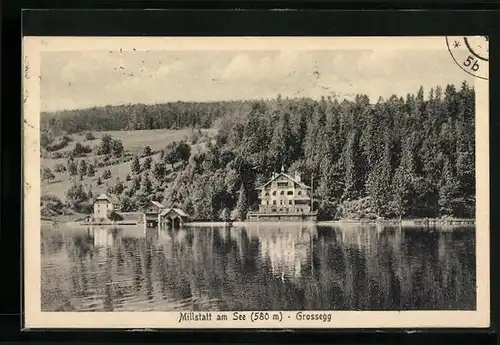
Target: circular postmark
x=470, y=54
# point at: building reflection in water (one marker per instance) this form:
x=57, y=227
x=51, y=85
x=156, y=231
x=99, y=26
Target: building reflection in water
x=105, y=237
x=346, y=267
x=288, y=249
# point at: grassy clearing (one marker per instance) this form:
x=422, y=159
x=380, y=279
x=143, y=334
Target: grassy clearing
x=133, y=141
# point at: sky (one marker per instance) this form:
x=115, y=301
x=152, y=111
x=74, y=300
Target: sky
x=82, y=79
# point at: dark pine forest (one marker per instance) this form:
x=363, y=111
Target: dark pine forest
x=402, y=157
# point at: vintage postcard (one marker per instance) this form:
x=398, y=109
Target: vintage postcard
x=278, y=182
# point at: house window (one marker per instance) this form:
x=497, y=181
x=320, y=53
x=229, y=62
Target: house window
x=290, y=202
x=266, y=194
x=281, y=202
x=299, y=192
x=274, y=202
x=282, y=184
x=274, y=193
x=267, y=202
x=290, y=192
x=282, y=192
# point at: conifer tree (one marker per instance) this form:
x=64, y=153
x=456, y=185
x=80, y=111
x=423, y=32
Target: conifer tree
x=146, y=152
x=402, y=181
x=117, y=147
x=90, y=170
x=350, y=157
x=146, y=185
x=83, y=168
x=450, y=201
x=136, y=183
x=159, y=171
x=135, y=166
x=242, y=205
x=281, y=148
x=171, y=155
x=254, y=133
x=72, y=167
x=188, y=207
x=147, y=163
x=118, y=187
x=379, y=182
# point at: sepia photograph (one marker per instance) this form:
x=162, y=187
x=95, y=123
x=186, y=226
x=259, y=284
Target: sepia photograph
x=256, y=182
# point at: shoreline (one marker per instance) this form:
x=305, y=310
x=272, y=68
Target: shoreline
x=402, y=222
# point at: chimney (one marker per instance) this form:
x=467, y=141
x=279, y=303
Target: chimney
x=297, y=176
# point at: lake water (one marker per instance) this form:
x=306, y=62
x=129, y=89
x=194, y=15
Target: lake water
x=347, y=267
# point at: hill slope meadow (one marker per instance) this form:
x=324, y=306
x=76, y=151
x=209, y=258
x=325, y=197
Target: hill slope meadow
x=133, y=142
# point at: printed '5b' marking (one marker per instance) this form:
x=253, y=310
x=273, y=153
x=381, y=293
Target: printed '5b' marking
x=471, y=63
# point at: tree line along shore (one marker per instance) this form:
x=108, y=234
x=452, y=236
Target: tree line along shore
x=400, y=158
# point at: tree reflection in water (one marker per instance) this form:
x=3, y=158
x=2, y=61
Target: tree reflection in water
x=259, y=267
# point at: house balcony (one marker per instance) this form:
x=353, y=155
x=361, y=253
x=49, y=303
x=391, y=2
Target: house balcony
x=284, y=212
x=291, y=215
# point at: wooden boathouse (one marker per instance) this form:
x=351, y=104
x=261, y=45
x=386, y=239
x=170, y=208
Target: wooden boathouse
x=172, y=218
x=156, y=215
x=151, y=214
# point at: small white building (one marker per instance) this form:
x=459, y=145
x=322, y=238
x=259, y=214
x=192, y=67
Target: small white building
x=105, y=203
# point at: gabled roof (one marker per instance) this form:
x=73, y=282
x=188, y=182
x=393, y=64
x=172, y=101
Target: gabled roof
x=102, y=197
x=157, y=204
x=109, y=198
x=176, y=210
x=303, y=185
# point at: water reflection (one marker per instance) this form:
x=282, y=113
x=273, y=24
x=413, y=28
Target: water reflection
x=350, y=267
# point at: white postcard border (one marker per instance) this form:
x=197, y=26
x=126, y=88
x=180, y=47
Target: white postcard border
x=35, y=318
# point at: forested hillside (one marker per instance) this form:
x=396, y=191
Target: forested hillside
x=396, y=158
x=135, y=116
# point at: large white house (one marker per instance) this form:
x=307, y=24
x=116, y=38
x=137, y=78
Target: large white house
x=284, y=197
